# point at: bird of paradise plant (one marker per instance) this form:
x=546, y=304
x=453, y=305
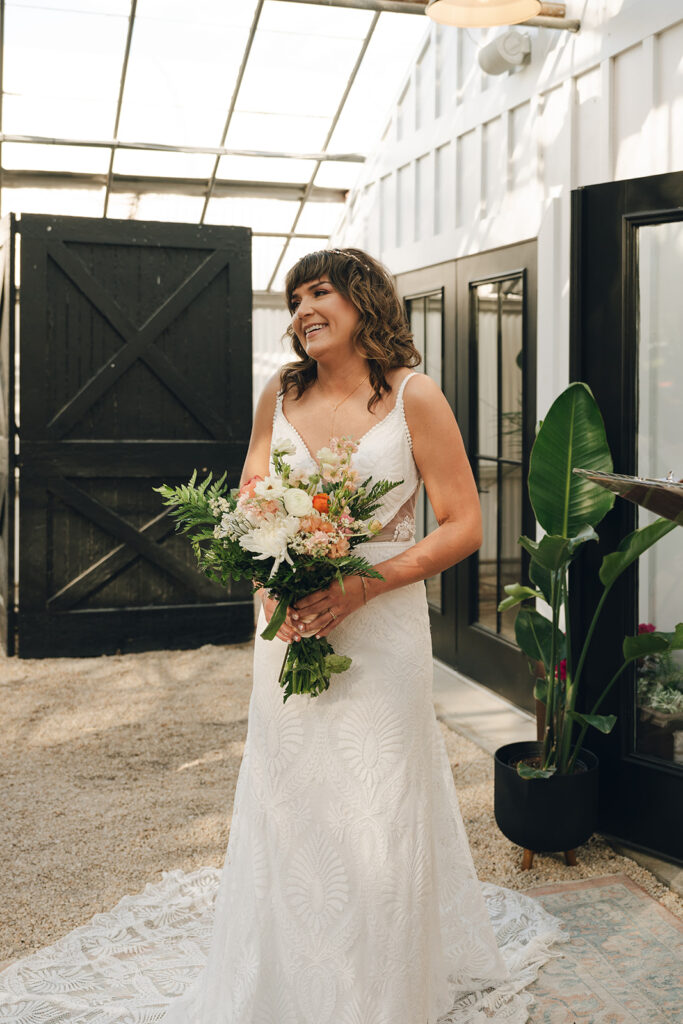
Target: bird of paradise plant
x=568, y=507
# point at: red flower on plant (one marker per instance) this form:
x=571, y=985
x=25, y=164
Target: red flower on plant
x=646, y=627
x=563, y=670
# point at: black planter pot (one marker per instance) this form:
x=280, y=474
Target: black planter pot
x=545, y=815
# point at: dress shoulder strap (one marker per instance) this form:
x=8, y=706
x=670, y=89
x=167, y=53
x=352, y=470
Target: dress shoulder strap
x=278, y=407
x=399, y=396
x=399, y=405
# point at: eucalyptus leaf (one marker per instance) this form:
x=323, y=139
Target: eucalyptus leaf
x=604, y=723
x=572, y=434
x=631, y=548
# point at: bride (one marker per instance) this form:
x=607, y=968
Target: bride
x=348, y=894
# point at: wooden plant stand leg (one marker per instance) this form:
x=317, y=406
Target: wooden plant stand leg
x=528, y=859
x=570, y=858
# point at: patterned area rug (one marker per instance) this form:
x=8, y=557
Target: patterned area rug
x=623, y=963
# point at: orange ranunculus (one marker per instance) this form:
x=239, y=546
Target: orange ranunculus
x=247, y=489
x=321, y=502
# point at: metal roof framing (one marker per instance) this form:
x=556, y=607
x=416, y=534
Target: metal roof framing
x=330, y=133
x=141, y=185
x=119, y=104
x=233, y=101
x=111, y=183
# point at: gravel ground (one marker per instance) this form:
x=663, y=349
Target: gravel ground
x=117, y=768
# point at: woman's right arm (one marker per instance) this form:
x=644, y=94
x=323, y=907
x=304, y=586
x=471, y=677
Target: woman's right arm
x=257, y=463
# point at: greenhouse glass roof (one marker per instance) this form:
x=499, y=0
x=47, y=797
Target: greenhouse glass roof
x=250, y=112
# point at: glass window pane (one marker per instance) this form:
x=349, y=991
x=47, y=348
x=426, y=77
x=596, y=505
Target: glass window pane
x=68, y=202
x=416, y=316
x=264, y=255
x=434, y=337
x=297, y=248
x=254, y=168
x=487, y=591
x=304, y=23
x=155, y=206
x=486, y=327
x=387, y=60
x=659, y=695
x=512, y=335
x=338, y=174
x=320, y=219
x=281, y=71
x=257, y=214
x=48, y=55
x=181, y=74
x=278, y=133
x=34, y=157
x=510, y=550
x=425, y=314
x=163, y=165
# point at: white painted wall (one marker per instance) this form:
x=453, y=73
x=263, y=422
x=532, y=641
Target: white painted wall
x=471, y=162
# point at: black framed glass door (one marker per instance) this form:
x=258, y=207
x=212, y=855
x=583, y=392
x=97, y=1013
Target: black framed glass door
x=429, y=296
x=627, y=310
x=496, y=370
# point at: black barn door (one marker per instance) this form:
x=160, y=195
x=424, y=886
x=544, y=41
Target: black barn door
x=135, y=368
x=627, y=310
x=7, y=311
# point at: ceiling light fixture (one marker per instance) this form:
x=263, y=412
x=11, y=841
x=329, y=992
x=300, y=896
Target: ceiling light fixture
x=482, y=13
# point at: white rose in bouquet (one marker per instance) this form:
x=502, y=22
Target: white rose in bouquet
x=297, y=502
x=271, y=487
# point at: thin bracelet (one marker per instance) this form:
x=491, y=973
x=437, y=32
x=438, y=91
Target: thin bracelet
x=365, y=591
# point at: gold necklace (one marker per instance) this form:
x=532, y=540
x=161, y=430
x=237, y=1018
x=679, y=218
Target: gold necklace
x=335, y=407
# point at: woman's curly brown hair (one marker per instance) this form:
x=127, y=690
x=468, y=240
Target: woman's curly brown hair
x=383, y=335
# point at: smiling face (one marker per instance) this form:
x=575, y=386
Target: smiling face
x=323, y=319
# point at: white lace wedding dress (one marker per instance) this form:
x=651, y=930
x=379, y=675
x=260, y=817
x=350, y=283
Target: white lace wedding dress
x=348, y=894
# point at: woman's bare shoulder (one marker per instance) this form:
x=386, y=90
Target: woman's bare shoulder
x=268, y=397
x=425, y=405
x=420, y=389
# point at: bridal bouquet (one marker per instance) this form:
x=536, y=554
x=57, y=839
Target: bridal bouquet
x=292, y=532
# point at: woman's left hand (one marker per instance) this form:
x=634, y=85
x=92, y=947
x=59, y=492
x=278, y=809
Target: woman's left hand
x=321, y=612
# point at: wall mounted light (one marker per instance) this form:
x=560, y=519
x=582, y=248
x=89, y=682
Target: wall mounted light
x=506, y=52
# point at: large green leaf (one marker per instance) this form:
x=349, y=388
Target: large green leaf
x=534, y=634
x=653, y=643
x=631, y=548
x=603, y=723
x=572, y=434
x=541, y=577
x=554, y=553
x=516, y=594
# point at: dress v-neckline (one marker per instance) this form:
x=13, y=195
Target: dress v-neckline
x=358, y=442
